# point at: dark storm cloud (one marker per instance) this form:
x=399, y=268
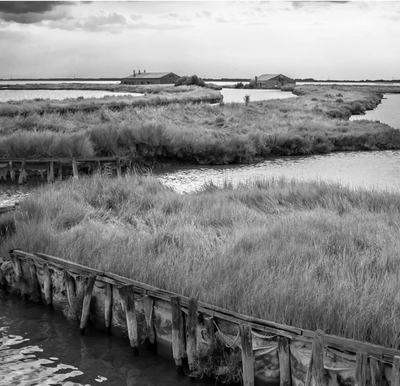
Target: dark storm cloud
x=29, y=12
x=21, y=7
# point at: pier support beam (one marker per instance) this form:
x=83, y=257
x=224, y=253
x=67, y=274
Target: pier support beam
x=75, y=174
x=108, y=307
x=315, y=373
x=396, y=371
x=178, y=334
x=22, y=173
x=192, y=331
x=284, y=361
x=247, y=354
x=361, y=369
x=148, y=306
x=86, y=303
x=47, y=285
x=50, y=172
x=128, y=299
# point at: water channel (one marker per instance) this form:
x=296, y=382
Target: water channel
x=55, y=354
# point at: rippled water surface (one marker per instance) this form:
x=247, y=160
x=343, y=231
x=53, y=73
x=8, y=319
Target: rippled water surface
x=39, y=347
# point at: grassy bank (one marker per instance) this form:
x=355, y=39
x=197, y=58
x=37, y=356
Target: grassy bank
x=315, y=122
x=310, y=255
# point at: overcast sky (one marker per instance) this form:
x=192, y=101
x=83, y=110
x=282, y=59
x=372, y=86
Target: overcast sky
x=336, y=40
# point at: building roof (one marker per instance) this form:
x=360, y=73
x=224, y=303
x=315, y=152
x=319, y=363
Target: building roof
x=149, y=75
x=268, y=76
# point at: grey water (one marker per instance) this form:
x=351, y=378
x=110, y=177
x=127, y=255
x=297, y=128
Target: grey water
x=39, y=347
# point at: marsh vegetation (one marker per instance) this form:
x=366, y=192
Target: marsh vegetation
x=311, y=255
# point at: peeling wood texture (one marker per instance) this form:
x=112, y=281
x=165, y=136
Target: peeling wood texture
x=192, y=331
x=108, y=301
x=47, y=285
x=396, y=371
x=148, y=307
x=178, y=336
x=361, y=369
x=284, y=361
x=315, y=373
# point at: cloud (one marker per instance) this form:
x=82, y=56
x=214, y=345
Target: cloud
x=101, y=22
x=30, y=12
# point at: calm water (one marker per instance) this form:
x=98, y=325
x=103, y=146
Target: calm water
x=20, y=95
x=56, y=354
x=387, y=112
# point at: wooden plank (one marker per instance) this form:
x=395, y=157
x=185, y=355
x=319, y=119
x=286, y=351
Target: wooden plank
x=191, y=346
x=108, y=300
x=75, y=174
x=34, y=277
x=86, y=303
x=118, y=166
x=361, y=369
x=69, y=283
x=396, y=371
x=315, y=373
x=247, y=355
x=284, y=362
x=22, y=173
x=178, y=337
x=47, y=285
x=148, y=306
x=127, y=297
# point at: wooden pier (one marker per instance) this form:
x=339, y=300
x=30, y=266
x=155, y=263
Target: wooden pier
x=181, y=326
x=56, y=169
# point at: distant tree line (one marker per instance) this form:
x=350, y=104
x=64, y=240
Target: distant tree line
x=189, y=81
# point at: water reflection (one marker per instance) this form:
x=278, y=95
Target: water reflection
x=39, y=347
x=377, y=170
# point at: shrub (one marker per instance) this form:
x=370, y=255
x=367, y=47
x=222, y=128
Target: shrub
x=246, y=99
x=190, y=80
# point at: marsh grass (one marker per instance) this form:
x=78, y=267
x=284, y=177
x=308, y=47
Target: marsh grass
x=201, y=133
x=311, y=255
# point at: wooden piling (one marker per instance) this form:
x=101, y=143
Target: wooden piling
x=118, y=166
x=59, y=174
x=86, y=303
x=178, y=335
x=127, y=297
x=361, y=369
x=69, y=284
x=50, y=172
x=247, y=355
x=284, y=361
x=34, y=278
x=12, y=171
x=22, y=173
x=148, y=306
x=376, y=369
x=315, y=373
x=75, y=169
x=3, y=281
x=17, y=267
x=210, y=333
x=108, y=307
x=47, y=286
x=396, y=372
x=191, y=345
x=98, y=167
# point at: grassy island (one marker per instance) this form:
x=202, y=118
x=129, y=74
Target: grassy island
x=307, y=254
x=166, y=127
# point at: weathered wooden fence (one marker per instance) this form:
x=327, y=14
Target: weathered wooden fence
x=178, y=326
x=16, y=169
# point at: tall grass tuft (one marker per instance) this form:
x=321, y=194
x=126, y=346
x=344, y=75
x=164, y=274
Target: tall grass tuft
x=307, y=254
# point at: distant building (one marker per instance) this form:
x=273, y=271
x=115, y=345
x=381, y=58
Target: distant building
x=272, y=81
x=150, y=78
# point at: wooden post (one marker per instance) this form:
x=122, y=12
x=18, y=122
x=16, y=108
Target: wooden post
x=69, y=283
x=209, y=325
x=12, y=171
x=178, y=335
x=75, y=169
x=59, y=175
x=98, y=167
x=86, y=303
x=247, y=355
x=33, y=272
x=361, y=369
x=148, y=306
x=284, y=361
x=315, y=373
x=47, y=287
x=376, y=369
x=50, y=175
x=108, y=307
x=127, y=297
x=118, y=166
x=192, y=331
x=3, y=281
x=17, y=267
x=396, y=371
x=22, y=173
